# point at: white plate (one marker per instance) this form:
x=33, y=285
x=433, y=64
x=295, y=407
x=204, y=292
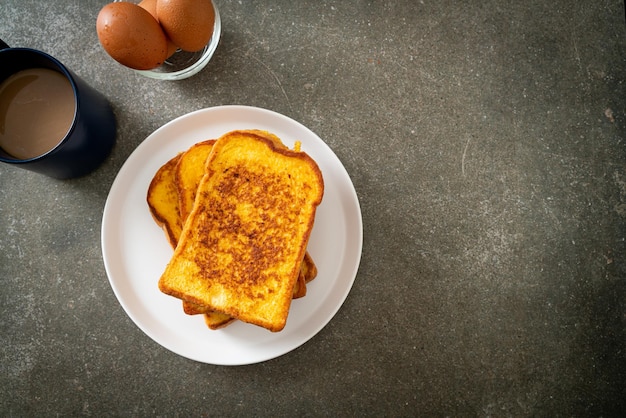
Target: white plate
x=136, y=252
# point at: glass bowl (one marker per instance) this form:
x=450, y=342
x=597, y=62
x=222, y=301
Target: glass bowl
x=183, y=64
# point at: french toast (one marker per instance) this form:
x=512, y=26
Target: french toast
x=189, y=172
x=308, y=271
x=175, y=185
x=164, y=203
x=241, y=249
x=180, y=177
x=173, y=188
x=163, y=200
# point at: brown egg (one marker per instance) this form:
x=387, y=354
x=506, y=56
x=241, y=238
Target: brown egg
x=131, y=36
x=150, y=6
x=188, y=23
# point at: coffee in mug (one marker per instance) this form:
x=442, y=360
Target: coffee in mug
x=36, y=112
x=51, y=121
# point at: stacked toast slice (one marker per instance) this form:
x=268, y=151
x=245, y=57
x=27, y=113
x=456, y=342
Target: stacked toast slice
x=239, y=212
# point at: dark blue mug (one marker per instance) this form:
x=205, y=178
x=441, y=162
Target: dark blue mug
x=90, y=136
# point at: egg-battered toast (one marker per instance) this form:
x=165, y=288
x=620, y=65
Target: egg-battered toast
x=163, y=200
x=241, y=249
x=189, y=172
x=176, y=182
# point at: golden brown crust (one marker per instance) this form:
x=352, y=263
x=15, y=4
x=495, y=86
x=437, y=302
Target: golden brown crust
x=216, y=320
x=189, y=171
x=241, y=250
x=162, y=198
x=299, y=289
x=309, y=269
x=175, y=179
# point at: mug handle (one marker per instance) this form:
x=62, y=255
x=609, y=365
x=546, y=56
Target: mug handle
x=3, y=45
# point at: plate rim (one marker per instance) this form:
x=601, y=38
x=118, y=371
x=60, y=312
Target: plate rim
x=137, y=161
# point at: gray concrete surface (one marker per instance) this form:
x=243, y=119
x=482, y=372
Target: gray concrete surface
x=486, y=141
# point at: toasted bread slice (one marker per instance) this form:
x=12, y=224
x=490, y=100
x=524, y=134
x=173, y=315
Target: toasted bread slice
x=299, y=289
x=190, y=169
x=189, y=172
x=241, y=249
x=163, y=199
x=309, y=269
x=180, y=177
x=216, y=320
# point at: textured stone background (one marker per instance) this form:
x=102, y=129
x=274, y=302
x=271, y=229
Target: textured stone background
x=486, y=141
